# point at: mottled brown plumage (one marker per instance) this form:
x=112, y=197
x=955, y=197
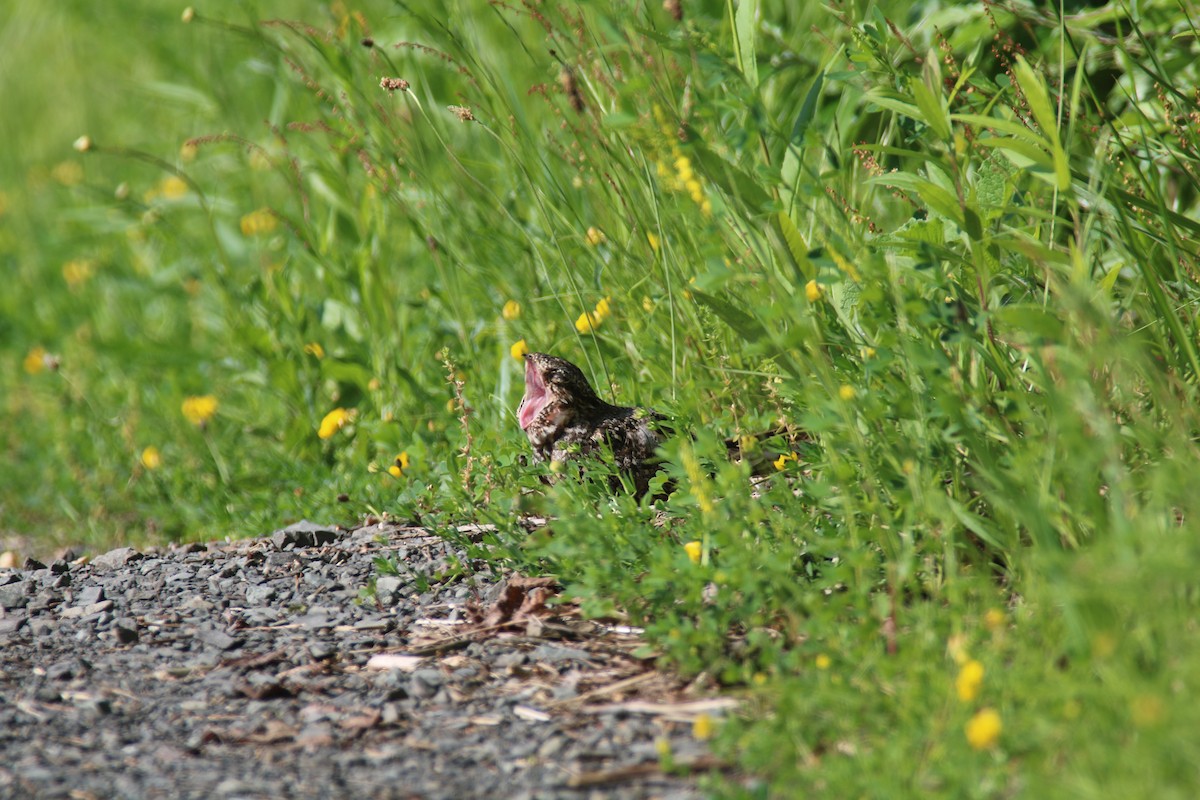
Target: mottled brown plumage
x=564, y=419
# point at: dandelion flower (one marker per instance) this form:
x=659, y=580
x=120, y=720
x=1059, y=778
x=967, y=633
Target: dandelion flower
x=151, y=458
x=173, y=187
x=334, y=421
x=511, y=310
x=703, y=727
x=983, y=729
x=35, y=360
x=258, y=222
x=813, y=291
x=519, y=349
x=693, y=550
x=199, y=410
x=970, y=678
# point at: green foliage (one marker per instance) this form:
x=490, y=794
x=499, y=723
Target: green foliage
x=955, y=246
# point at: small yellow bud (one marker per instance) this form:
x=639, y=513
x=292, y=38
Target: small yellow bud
x=823, y=661
x=703, y=727
x=970, y=678
x=151, y=458
x=983, y=729
x=511, y=310
x=694, y=551
x=518, y=350
x=847, y=392
x=813, y=291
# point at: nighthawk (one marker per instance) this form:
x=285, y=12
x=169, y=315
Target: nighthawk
x=565, y=419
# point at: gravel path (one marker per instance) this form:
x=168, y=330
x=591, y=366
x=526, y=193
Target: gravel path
x=257, y=669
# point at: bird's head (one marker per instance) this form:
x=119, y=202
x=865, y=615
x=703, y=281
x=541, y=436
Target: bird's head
x=554, y=383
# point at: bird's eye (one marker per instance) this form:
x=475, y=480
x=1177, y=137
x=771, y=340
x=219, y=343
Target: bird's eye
x=553, y=375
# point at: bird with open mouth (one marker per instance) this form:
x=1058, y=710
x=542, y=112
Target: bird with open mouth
x=564, y=419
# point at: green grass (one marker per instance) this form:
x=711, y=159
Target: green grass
x=955, y=245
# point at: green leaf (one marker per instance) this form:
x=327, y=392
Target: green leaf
x=1034, y=89
x=742, y=323
x=732, y=179
x=933, y=110
x=808, y=109
x=744, y=21
x=797, y=248
x=1029, y=321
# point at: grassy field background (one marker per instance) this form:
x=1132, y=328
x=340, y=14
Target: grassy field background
x=264, y=268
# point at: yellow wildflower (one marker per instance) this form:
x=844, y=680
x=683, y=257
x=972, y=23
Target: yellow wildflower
x=595, y=236
x=68, y=173
x=36, y=360
x=706, y=207
x=813, y=291
x=1146, y=710
x=151, y=458
x=647, y=304
x=315, y=350
x=511, y=310
x=983, y=729
x=398, y=466
x=781, y=462
x=847, y=392
x=334, y=421
x=587, y=322
x=173, y=187
x=823, y=661
x=683, y=169
x=970, y=678
x=518, y=350
x=604, y=308
x=703, y=727
x=993, y=619
x=78, y=271
x=653, y=240
x=693, y=550
x=199, y=410
x=260, y=221
x=694, y=190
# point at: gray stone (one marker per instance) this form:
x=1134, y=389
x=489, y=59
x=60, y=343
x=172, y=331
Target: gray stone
x=114, y=559
x=387, y=587
x=126, y=630
x=16, y=595
x=216, y=638
x=552, y=653
x=260, y=594
x=88, y=595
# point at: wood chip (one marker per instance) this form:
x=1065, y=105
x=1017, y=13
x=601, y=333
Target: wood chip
x=531, y=714
x=679, y=711
x=398, y=661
